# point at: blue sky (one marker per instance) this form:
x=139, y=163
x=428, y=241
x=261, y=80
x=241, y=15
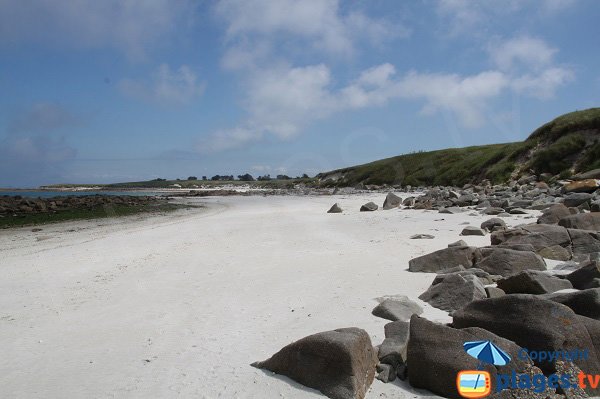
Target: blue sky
x=107, y=91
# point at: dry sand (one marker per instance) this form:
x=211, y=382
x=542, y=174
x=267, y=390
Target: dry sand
x=180, y=305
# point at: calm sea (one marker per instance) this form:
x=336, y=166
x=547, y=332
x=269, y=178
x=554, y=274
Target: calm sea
x=48, y=194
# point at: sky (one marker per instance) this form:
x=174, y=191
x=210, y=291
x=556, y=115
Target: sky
x=111, y=91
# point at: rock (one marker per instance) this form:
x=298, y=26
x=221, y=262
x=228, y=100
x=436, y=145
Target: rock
x=576, y=199
x=436, y=355
x=540, y=236
x=533, y=323
x=472, y=231
x=592, y=174
x=492, y=211
x=517, y=247
x=582, y=221
x=571, y=370
x=465, y=199
x=527, y=179
x=482, y=275
x=386, y=373
x=459, y=243
x=595, y=206
x=585, y=303
x=335, y=209
x=339, y=363
x=584, y=242
x=586, y=276
x=553, y=214
x=421, y=237
x=582, y=186
x=493, y=224
x=399, y=308
x=410, y=201
x=397, y=329
x=518, y=211
x=369, y=207
x=393, y=349
x=532, y=282
x=391, y=201
x=445, y=258
x=454, y=292
x=452, y=210
x=555, y=252
x=506, y=262
x=494, y=292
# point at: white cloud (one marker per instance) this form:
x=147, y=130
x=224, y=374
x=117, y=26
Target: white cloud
x=321, y=22
x=165, y=86
x=544, y=84
x=41, y=118
x=131, y=26
x=283, y=102
x=527, y=51
x=474, y=18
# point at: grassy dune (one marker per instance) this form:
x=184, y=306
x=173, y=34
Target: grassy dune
x=568, y=144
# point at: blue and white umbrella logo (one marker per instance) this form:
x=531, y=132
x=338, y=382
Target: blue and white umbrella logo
x=487, y=352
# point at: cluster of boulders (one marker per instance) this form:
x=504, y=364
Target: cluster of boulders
x=19, y=206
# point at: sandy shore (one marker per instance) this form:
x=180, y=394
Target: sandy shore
x=180, y=305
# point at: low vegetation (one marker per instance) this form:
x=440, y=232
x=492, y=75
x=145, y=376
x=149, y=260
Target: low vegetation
x=98, y=212
x=568, y=144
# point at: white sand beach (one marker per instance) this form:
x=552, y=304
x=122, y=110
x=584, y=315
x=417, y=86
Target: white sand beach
x=179, y=305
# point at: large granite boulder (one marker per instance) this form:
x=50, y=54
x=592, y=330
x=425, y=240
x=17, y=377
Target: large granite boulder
x=585, y=303
x=482, y=275
x=391, y=201
x=506, y=262
x=582, y=186
x=587, y=276
x=454, y=292
x=550, y=241
x=339, y=363
x=445, y=258
x=553, y=214
x=582, y=221
x=534, y=323
x=533, y=282
x=576, y=199
x=436, y=355
x=397, y=308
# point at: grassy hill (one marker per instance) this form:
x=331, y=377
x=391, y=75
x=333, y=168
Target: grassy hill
x=566, y=145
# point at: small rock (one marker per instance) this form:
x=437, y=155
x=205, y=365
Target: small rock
x=335, y=209
x=493, y=224
x=398, y=308
x=472, y=231
x=421, y=237
x=369, y=207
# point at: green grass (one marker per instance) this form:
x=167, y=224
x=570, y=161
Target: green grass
x=555, y=158
x=555, y=147
x=97, y=212
x=455, y=166
x=579, y=120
